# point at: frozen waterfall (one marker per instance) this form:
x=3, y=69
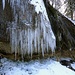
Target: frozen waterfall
x=30, y=32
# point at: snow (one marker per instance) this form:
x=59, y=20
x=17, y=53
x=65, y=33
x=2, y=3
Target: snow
x=34, y=67
x=39, y=7
x=63, y=7
x=73, y=65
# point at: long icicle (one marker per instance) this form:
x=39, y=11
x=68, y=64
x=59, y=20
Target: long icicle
x=3, y=3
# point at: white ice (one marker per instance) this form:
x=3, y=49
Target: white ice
x=29, y=40
x=3, y=3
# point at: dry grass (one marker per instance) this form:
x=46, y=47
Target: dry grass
x=58, y=54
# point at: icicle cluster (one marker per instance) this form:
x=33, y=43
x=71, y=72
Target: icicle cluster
x=3, y=2
x=29, y=37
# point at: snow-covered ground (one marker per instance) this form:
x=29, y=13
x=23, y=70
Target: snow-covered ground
x=34, y=67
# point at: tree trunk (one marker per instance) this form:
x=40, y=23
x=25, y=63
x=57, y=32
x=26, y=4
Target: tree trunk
x=71, y=14
x=71, y=9
x=61, y=26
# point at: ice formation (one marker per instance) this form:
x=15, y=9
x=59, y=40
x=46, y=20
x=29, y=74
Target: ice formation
x=3, y=2
x=27, y=37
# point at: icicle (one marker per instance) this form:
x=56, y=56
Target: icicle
x=35, y=41
x=13, y=40
x=38, y=45
x=21, y=40
x=47, y=43
x=18, y=32
x=42, y=47
x=12, y=3
x=24, y=43
x=26, y=39
x=3, y=2
x=15, y=37
x=18, y=2
x=31, y=44
x=30, y=40
x=16, y=18
x=23, y=9
x=38, y=39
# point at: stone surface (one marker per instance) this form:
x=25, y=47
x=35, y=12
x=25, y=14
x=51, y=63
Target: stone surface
x=64, y=30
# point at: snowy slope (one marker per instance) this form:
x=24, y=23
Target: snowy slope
x=37, y=67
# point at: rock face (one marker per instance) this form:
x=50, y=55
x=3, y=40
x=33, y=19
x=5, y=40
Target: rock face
x=25, y=28
x=5, y=16
x=29, y=30
x=63, y=28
